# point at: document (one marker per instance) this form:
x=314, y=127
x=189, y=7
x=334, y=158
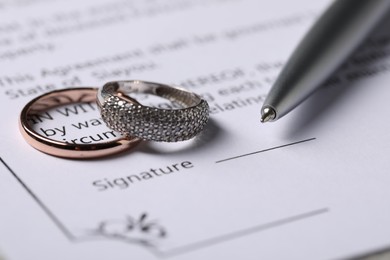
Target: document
x=313, y=185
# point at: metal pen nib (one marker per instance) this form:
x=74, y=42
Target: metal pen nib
x=267, y=114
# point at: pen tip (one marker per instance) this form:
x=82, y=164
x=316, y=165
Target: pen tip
x=267, y=114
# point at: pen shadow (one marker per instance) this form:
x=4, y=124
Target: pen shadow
x=368, y=56
x=315, y=109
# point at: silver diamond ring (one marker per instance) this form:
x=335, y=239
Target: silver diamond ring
x=126, y=115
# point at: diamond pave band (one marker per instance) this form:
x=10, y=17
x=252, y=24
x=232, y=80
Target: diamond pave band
x=124, y=114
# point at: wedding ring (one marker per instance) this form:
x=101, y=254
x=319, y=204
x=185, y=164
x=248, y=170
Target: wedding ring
x=124, y=114
x=65, y=149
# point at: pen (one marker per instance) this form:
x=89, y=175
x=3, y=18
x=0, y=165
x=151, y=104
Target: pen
x=335, y=35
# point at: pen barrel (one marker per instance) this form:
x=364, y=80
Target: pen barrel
x=335, y=35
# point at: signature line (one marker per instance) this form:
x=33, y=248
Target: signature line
x=265, y=150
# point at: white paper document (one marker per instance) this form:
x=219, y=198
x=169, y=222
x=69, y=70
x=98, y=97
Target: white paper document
x=313, y=185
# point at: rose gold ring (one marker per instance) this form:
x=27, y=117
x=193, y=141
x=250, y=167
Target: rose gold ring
x=64, y=149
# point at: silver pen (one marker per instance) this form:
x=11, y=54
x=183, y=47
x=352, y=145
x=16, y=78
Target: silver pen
x=335, y=35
